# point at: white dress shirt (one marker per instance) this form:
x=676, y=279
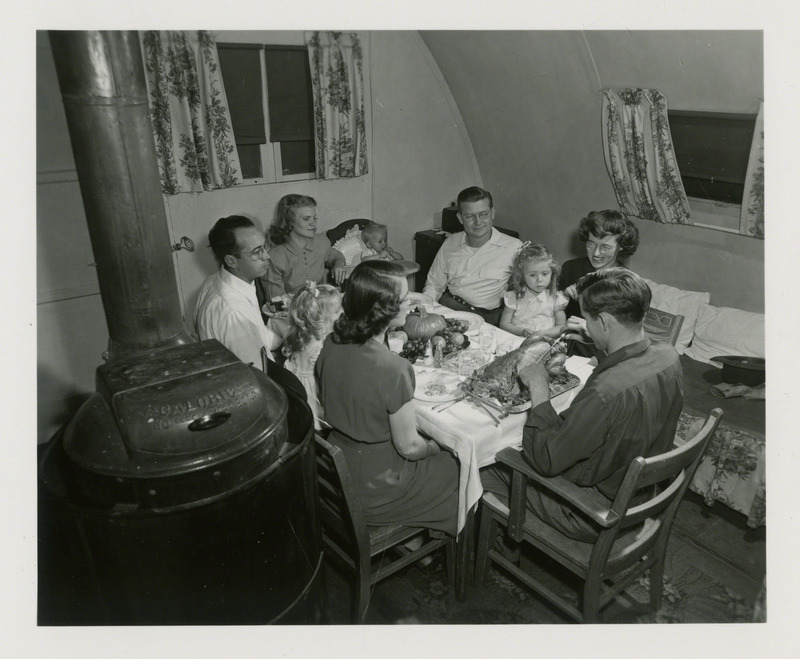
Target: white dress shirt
x=227, y=310
x=477, y=275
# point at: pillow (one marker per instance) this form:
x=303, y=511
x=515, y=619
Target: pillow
x=675, y=301
x=727, y=331
x=351, y=245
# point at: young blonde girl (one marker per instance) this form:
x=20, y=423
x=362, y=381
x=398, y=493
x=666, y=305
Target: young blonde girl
x=534, y=307
x=312, y=312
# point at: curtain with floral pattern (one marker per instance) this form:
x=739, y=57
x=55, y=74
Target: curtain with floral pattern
x=751, y=222
x=640, y=158
x=189, y=111
x=337, y=81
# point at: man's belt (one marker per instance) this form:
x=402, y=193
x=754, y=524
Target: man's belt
x=472, y=307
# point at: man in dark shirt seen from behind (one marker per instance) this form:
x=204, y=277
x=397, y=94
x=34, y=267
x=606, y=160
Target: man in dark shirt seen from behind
x=629, y=406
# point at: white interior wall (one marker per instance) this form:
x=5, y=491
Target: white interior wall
x=419, y=158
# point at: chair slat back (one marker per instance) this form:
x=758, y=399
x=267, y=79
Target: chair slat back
x=679, y=464
x=661, y=326
x=340, y=508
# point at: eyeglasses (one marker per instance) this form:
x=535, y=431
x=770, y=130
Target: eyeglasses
x=258, y=253
x=591, y=246
x=483, y=215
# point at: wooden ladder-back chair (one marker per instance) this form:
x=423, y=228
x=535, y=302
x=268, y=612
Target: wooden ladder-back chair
x=632, y=538
x=362, y=548
x=661, y=326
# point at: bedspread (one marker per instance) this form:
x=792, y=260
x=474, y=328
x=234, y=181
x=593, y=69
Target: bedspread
x=732, y=470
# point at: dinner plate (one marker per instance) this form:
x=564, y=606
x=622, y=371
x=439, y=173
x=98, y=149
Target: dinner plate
x=280, y=315
x=474, y=320
x=435, y=385
x=409, y=267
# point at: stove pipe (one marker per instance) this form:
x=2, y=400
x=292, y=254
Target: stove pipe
x=101, y=77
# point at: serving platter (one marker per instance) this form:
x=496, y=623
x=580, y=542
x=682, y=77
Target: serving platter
x=474, y=320
x=435, y=385
x=565, y=383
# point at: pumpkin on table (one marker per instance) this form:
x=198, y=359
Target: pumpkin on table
x=423, y=325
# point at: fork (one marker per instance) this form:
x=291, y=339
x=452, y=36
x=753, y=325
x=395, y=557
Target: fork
x=557, y=342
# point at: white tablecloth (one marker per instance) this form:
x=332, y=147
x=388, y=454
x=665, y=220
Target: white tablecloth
x=471, y=435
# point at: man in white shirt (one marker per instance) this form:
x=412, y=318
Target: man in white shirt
x=227, y=306
x=470, y=271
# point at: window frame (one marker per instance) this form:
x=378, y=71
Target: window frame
x=270, y=153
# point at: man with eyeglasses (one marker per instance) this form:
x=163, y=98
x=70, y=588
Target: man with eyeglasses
x=227, y=305
x=470, y=271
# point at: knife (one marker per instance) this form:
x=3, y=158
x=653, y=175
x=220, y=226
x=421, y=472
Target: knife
x=503, y=411
x=444, y=406
x=486, y=408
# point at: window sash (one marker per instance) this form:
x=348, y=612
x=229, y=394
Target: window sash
x=290, y=99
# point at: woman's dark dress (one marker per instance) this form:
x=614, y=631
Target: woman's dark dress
x=360, y=385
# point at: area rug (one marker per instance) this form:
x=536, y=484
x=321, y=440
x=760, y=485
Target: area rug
x=422, y=596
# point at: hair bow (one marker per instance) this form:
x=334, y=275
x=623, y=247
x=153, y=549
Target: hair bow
x=312, y=288
x=527, y=243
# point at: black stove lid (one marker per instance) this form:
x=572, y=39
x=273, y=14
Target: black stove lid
x=175, y=408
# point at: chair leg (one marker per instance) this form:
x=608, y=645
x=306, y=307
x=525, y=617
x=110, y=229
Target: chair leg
x=486, y=534
x=465, y=542
x=591, y=599
x=361, y=603
x=450, y=562
x=656, y=584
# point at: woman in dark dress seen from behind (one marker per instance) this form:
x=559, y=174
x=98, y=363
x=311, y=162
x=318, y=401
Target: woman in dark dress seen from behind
x=367, y=393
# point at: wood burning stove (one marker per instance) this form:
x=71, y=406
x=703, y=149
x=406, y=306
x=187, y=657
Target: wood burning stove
x=183, y=491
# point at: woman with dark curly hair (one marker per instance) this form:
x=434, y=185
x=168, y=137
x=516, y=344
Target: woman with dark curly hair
x=610, y=240
x=299, y=254
x=367, y=393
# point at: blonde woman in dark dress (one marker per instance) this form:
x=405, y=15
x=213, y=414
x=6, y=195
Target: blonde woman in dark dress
x=367, y=393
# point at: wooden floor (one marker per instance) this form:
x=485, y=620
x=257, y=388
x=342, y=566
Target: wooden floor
x=715, y=542
x=721, y=543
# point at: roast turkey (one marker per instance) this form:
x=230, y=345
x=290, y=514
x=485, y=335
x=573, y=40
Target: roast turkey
x=499, y=379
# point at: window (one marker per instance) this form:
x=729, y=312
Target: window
x=712, y=150
x=270, y=87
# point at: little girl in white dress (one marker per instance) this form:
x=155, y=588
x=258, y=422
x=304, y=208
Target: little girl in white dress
x=312, y=312
x=533, y=305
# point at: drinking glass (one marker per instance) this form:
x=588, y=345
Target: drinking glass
x=396, y=344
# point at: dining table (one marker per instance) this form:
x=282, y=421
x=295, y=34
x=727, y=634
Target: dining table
x=474, y=433
x=467, y=430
